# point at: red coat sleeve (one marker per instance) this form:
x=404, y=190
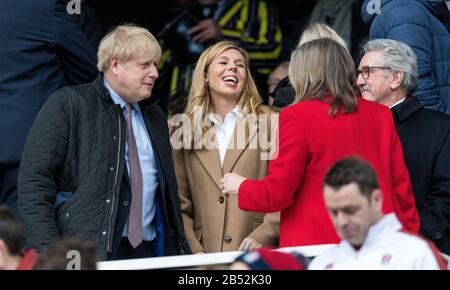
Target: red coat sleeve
x=276, y=191
x=402, y=185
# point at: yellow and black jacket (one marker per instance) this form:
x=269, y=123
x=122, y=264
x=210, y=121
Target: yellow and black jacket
x=251, y=23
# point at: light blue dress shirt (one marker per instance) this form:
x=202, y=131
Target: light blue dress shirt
x=148, y=166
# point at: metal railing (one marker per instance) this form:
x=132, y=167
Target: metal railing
x=191, y=261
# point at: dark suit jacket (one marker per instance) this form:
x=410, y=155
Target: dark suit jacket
x=425, y=137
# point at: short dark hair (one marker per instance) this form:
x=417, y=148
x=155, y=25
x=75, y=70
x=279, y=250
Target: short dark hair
x=11, y=231
x=352, y=169
x=55, y=257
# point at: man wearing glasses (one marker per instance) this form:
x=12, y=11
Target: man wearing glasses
x=421, y=24
x=387, y=74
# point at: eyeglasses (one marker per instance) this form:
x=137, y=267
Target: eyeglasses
x=365, y=71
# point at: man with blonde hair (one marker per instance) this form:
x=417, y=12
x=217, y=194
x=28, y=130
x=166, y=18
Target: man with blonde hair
x=97, y=162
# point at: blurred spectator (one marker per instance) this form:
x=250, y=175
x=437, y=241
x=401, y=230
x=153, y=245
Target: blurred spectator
x=90, y=22
x=97, y=164
x=42, y=50
x=98, y=17
x=417, y=23
x=222, y=100
x=328, y=122
x=11, y=239
x=388, y=75
x=370, y=240
x=265, y=259
x=251, y=23
x=279, y=73
x=343, y=16
x=284, y=93
x=68, y=254
x=319, y=30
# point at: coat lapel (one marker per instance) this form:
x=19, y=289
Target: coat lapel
x=210, y=160
x=238, y=144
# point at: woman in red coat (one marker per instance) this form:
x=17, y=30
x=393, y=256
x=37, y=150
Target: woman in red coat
x=328, y=122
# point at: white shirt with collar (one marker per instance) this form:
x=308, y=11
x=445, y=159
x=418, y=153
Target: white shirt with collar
x=225, y=130
x=386, y=247
x=147, y=161
x=399, y=102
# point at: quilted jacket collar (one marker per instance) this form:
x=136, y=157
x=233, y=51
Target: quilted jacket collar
x=145, y=105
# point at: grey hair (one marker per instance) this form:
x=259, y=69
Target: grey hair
x=398, y=56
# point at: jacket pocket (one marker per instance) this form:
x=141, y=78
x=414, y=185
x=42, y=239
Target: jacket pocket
x=68, y=217
x=61, y=199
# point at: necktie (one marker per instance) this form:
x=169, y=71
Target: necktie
x=135, y=218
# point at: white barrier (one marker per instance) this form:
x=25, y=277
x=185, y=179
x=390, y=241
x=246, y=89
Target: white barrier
x=189, y=261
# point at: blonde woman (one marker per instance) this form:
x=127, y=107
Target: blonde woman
x=222, y=109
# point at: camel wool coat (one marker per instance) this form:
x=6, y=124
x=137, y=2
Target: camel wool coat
x=212, y=221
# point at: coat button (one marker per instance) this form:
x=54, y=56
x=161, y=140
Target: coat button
x=438, y=235
x=67, y=214
x=108, y=201
x=114, y=137
x=227, y=239
x=126, y=203
x=111, y=168
x=104, y=233
x=221, y=199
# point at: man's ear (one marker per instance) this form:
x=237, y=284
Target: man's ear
x=114, y=65
x=397, y=78
x=377, y=199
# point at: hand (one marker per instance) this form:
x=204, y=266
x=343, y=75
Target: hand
x=249, y=244
x=205, y=30
x=199, y=253
x=230, y=183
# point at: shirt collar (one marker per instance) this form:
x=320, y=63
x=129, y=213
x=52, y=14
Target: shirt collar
x=397, y=103
x=117, y=99
x=233, y=114
x=388, y=224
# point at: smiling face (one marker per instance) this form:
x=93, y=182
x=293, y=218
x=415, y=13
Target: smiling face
x=352, y=213
x=227, y=75
x=134, y=79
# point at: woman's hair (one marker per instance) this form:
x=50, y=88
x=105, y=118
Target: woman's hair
x=319, y=30
x=199, y=96
x=321, y=68
x=126, y=42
